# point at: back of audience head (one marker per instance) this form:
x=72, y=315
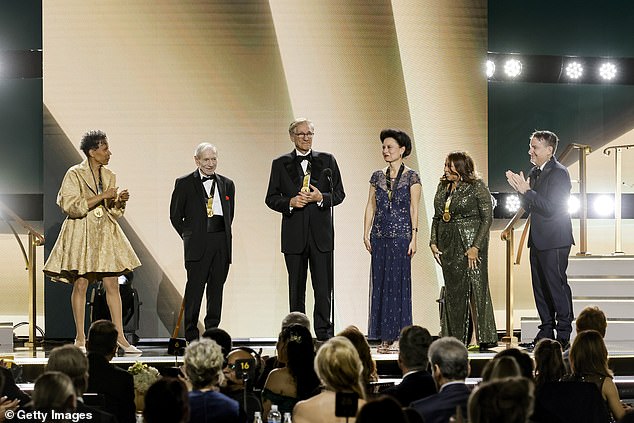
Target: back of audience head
x=381, y=409
x=102, y=338
x=522, y=358
x=54, y=391
x=339, y=367
x=221, y=337
x=500, y=368
x=71, y=361
x=354, y=335
x=296, y=345
x=203, y=363
x=414, y=345
x=592, y=318
x=549, y=362
x=588, y=354
x=507, y=400
x=295, y=318
x=449, y=357
x=166, y=401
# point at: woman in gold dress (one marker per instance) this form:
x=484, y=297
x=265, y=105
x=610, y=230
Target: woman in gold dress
x=463, y=213
x=91, y=245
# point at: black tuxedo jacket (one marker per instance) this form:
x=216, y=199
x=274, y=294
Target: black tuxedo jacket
x=116, y=385
x=547, y=203
x=285, y=182
x=188, y=212
x=440, y=407
x=413, y=387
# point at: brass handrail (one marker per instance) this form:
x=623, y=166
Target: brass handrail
x=508, y=236
x=583, y=150
x=618, y=191
x=35, y=239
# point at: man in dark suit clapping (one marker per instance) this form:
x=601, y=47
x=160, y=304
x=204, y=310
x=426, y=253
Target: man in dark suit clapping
x=545, y=194
x=201, y=211
x=300, y=189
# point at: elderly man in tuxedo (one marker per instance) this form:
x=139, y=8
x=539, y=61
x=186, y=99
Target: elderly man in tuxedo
x=201, y=211
x=544, y=194
x=303, y=186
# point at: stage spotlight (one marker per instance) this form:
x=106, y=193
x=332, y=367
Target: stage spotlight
x=604, y=205
x=574, y=70
x=607, y=71
x=573, y=205
x=513, y=68
x=490, y=69
x=512, y=203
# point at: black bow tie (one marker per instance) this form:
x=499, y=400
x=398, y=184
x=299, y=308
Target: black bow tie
x=308, y=157
x=208, y=178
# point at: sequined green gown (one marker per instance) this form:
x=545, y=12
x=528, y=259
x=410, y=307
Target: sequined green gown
x=471, y=216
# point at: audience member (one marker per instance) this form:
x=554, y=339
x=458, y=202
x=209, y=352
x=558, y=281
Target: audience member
x=357, y=338
x=71, y=361
x=590, y=318
x=9, y=390
x=417, y=382
x=221, y=337
x=450, y=367
x=54, y=391
x=522, y=358
x=6, y=403
x=166, y=402
x=236, y=387
x=297, y=381
x=500, y=368
x=116, y=385
x=382, y=409
x=628, y=417
x=589, y=363
x=270, y=363
x=508, y=400
x=340, y=370
x=549, y=363
x=203, y=367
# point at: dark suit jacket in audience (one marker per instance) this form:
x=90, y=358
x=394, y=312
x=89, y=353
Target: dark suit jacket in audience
x=11, y=390
x=115, y=384
x=561, y=402
x=212, y=406
x=97, y=416
x=440, y=407
x=414, y=386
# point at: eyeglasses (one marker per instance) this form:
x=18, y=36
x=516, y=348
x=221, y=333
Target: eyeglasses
x=304, y=134
x=232, y=366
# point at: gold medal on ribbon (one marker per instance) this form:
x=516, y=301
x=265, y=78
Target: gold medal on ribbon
x=446, y=216
x=210, y=207
x=98, y=211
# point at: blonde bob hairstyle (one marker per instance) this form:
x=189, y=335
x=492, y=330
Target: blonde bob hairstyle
x=339, y=367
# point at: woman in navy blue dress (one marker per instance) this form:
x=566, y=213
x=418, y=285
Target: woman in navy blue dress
x=390, y=228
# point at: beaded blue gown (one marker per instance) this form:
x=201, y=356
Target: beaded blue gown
x=391, y=275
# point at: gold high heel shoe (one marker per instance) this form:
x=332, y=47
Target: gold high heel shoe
x=81, y=346
x=130, y=349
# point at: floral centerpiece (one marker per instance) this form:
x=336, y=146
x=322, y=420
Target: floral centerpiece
x=144, y=376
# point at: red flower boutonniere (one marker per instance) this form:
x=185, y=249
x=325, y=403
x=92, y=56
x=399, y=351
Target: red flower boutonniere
x=227, y=197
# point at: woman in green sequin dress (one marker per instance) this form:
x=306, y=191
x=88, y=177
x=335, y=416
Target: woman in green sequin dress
x=463, y=213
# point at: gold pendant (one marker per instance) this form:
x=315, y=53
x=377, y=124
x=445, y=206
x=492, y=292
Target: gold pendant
x=98, y=211
x=210, y=213
x=306, y=183
x=446, y=216
x=210, y=207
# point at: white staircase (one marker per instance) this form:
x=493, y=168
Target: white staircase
x=606, y=282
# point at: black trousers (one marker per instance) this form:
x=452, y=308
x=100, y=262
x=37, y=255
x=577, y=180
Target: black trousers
x=321, y=277
x=210, y=271
x=553, y=296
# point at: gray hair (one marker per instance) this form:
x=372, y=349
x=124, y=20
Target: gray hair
x=299, y=121
x=451, y=357
x=296, y=317
x=204, y=146
x=52, y=391
x=203, y=363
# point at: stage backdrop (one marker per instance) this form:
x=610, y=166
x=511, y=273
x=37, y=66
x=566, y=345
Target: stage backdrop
x=161, y=76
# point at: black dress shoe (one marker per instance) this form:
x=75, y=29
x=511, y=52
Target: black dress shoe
x=564, y=344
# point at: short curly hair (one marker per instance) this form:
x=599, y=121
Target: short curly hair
x=203, y=363
x=92, y=140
